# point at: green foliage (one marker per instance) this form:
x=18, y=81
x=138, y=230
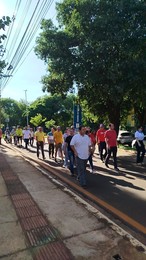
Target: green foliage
x=100, y=45
x=50, y=123
x=37, y=120
x=4, y=21
x=14, y=111
x=54, y=107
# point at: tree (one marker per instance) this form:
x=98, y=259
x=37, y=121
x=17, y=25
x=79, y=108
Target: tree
x=100, y=45
x=54, y=107
x=13, y=111
x=4, y=21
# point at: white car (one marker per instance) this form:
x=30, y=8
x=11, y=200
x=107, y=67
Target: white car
x=125, y=137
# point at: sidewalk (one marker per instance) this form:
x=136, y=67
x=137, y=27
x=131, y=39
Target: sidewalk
x=41, y=219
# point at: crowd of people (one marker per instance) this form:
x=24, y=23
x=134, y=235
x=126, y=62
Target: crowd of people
x=73, y=148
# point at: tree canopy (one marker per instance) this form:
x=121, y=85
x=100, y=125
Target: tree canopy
x=4, y=21
x=100, y=46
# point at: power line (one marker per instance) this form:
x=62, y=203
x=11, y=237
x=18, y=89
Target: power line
x=30, y=31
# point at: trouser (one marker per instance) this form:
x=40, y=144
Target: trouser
x=71, y=161
x=26, y=141
x=51, y=150
x=81, y=169
x=40, y=145
x=19, y=138
x=140, y=152
x=112, y=150
x=102, y=146
x=31, y=140
x=90, y=159
x=15, y=139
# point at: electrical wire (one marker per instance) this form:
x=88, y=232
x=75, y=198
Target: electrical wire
x=28, y=35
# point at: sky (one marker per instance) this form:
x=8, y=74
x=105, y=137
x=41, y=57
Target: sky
x=24, y=84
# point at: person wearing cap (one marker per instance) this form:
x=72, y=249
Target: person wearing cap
x=100, y=134
x=58, y=139
x=40, y=140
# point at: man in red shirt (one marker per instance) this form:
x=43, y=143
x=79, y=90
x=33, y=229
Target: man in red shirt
x=100, y=134
x=111, y=141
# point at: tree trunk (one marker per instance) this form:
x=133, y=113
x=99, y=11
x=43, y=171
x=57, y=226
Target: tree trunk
x=140, y=116
x=114, y=116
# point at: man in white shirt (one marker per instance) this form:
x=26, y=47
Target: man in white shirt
x=139, y=136
x=81, y=146
x=26, y=136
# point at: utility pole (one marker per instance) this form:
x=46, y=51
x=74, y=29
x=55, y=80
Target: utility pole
x=26, y=106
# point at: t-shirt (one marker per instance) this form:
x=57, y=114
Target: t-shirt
x=92, y=137
x=19, y=132
x=111, y=137
x=139, y=135
x=101, y=135
x=81, y=144
x=51, y=138
x=26, y=134
x=68, y=140
x=58, y=137
x=40, y=136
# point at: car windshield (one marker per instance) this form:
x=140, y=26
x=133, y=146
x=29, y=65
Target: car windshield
x=126, y=134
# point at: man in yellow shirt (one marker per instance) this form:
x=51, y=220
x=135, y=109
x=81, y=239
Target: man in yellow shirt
x=58, y=139
x=19, y=134
x=40, y=139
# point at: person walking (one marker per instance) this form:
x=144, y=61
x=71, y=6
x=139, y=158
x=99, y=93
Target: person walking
x=139, y=136
x=19, y=134
x=58, y=139
x=26, y=136
x=81, y=146
x=31, y=139
x=50, y=138
x=40, y=139
x=69, y=151
x=14, y=135
x=111, y=142
x=93, y=143
x=100, y=134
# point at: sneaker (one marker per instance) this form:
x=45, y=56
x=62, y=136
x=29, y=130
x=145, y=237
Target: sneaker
x=91, y=171
x=116, y=169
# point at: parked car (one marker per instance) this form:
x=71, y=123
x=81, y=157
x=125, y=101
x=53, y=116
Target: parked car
x=125, y=137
